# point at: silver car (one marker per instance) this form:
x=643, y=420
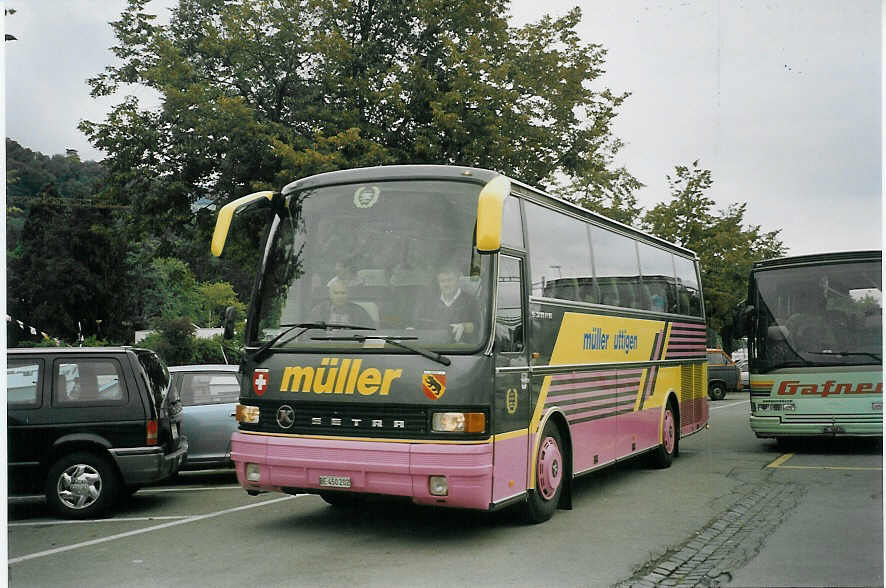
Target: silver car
x=207, y=395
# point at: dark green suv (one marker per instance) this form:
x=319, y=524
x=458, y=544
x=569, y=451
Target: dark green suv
x=87, y=426
x=723, y=375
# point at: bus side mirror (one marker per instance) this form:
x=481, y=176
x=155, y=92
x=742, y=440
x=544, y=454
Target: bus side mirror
x=743, y=321
x=227, y=212
x=230, y=317
x=490, y=209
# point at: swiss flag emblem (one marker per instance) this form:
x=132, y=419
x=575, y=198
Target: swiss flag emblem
x=260, y=380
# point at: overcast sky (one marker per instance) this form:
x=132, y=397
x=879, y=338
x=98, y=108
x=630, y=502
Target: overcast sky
x=780, y=99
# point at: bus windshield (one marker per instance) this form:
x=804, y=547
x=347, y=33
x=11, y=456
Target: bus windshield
x=353, y=264
x=811, y=316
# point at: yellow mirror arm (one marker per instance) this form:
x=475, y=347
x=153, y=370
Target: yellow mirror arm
x=223, y=223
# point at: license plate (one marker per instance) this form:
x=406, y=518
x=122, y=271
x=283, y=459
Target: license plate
x=174, y=431
x=335, y=481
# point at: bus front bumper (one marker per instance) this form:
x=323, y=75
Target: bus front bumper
x=817, y=426
x=312, y=465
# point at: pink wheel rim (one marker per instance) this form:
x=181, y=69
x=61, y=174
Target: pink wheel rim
x=550, y=470
x=669, y=434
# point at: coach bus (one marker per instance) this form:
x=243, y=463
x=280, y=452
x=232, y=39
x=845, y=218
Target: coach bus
x=456, y=337
x=815, y=338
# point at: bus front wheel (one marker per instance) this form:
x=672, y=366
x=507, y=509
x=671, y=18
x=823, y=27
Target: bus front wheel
x=549, y=471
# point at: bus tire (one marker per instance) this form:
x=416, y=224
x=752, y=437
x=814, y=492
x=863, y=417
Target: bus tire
x=82, y=485
x=717, y=391
x=549, y=471
x=663, y=456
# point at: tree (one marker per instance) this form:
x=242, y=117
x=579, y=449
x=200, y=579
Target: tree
x=257, y=93
x=171, y=292
x=68, y=271
x=725, y=246
x=216, y=297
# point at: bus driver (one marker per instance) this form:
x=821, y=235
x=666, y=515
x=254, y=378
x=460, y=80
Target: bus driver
x=454, y=307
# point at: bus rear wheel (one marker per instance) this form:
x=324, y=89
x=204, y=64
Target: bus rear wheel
x=549, y=471
x=670, y=440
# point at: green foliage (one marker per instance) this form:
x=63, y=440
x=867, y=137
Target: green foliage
x=258, y=93
x=68, y=272
x=176, y=348
x=216, y=297
x=174, y=341
x=725, y=245
x=30, y=174
x=172, y=291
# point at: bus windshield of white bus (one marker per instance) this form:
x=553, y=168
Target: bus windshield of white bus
x=353, y=264
x=825, y=315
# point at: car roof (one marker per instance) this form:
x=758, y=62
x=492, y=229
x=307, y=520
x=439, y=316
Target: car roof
x=220, y=367
x=37, y=350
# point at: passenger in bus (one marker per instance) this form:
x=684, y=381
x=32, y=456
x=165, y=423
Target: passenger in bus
x=339, y=309
x=454, y=308
x=344, y=272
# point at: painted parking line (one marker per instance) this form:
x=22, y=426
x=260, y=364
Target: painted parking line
x=729, y=405
x=113, y=520
x=194, y=519
x=782, y=459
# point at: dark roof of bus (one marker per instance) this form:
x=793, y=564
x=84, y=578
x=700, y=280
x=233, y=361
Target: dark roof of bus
x=470, y=174
x=818, y=258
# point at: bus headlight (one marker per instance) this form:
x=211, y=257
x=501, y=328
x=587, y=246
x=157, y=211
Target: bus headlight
x=783, y=405
x=438, y=486
x=459, y=422
x=253, y=474
x=247, y=414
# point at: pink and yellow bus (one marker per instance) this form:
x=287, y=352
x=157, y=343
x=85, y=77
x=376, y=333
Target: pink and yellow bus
x=453, y=336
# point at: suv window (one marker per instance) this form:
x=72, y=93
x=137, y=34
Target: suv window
x=217, y=388
x=24, y=380
x=88, y=381
x=717, y=358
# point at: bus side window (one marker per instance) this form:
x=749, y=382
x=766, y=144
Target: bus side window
x=509, y=313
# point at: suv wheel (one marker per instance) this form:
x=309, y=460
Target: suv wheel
x=81, y=485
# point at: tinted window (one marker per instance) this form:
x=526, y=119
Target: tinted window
x=88, y=381
x=23, y=381
x=616, y=268
x=559, y=253
x=688, y=293
x=509, y=311
x=512, y=225
x=209, y=388
x=659, y=287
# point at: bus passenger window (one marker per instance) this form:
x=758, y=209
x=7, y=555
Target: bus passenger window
x=509, y=313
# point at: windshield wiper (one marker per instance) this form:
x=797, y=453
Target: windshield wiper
x=867, y=353
x=393, y=340
x=305, y=327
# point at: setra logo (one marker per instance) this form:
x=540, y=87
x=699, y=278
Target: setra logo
x=333, y=377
